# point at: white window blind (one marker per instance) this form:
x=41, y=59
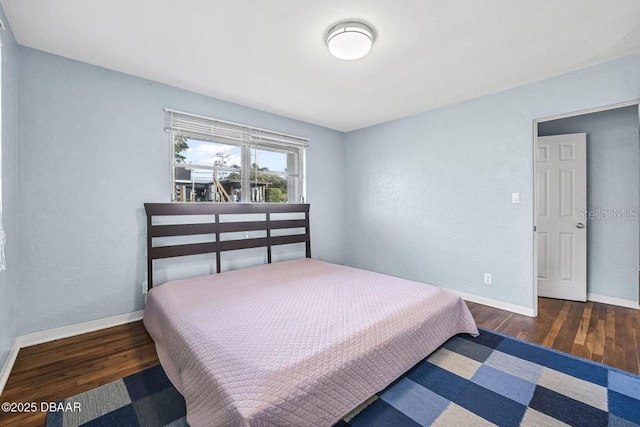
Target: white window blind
x=208, y=129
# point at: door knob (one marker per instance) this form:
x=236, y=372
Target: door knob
x=580, y=225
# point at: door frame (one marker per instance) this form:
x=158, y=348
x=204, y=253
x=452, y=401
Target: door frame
x=534, y=169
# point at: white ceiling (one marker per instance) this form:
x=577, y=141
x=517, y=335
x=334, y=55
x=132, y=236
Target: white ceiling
x=271, y=54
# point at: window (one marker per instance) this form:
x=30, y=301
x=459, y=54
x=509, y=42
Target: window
x=217, y=161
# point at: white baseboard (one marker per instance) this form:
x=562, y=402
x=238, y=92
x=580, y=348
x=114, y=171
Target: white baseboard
x=60, y=333
x=8, y=365
x=514, y=308
x=629, y=303
x=80, y=328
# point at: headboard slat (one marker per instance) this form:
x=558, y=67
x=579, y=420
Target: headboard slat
x=182, y=229
x=285, y=240
x=231, y=245
x=230, y=227
x=288, y=223
x=182, y=250
x=216, y=227
x=177, y=209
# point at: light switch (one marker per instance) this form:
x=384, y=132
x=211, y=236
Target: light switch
x=515, y=197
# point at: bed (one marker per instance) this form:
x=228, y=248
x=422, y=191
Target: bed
x=298, y=342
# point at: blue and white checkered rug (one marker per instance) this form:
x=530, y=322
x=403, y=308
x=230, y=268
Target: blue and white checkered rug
x=489, y=380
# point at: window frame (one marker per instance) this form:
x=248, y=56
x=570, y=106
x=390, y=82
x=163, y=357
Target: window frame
x=295, y=171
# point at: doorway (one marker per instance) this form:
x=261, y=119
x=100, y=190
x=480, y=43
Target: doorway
x=586, y=202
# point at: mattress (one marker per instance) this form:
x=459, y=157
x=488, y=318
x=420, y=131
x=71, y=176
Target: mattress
x=294, y=343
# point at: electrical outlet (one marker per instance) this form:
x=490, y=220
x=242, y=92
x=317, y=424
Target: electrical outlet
x=515, y=197
x=144, y=288
x=488, y=278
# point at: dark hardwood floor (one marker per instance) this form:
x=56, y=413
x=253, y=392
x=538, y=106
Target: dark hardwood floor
x=59, y=369
x=66, y=367
x=604, y=333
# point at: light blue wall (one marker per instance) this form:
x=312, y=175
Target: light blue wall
x=9, y=278
x=425, y=197
x=429, y=196
x=92, y=151
x=613, y=183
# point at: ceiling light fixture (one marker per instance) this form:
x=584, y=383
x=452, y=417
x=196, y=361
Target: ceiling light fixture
x=350, y=40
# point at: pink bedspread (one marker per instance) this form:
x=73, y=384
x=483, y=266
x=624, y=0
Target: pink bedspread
x=295, y=343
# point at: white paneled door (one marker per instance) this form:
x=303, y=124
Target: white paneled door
x=561, y=226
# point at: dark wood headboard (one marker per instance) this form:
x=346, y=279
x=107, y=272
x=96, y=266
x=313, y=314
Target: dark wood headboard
x=216, y=228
